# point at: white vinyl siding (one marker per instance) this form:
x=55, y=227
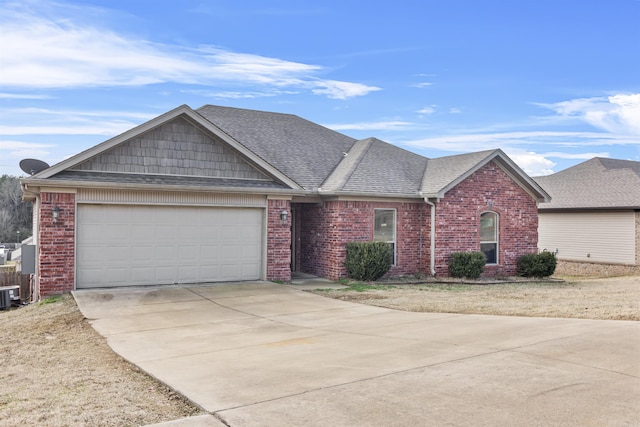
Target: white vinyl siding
x=127, y=245
x=607, y=237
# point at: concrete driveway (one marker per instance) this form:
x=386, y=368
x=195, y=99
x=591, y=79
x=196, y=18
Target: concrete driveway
x=262, y=354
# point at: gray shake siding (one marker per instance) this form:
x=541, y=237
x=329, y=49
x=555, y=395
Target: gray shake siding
x=175, y=148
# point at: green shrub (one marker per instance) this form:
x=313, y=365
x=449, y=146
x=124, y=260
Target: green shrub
x=368, y=261
x=467, y=264
x=537, y=265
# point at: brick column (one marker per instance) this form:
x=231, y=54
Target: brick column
x=278, y=241
x=56, y=244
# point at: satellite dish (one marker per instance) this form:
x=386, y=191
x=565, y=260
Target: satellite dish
x=33, y=166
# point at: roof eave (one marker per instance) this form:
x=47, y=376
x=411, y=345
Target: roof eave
x=367, y=194
x=588, y=208
x=34, y=186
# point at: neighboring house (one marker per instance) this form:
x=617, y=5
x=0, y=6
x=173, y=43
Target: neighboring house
x=593, y=220
x=226, y=194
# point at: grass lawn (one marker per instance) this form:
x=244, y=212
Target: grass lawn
x=602, y=299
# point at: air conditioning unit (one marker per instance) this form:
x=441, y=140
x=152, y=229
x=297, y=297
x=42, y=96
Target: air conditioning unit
x=9, y=294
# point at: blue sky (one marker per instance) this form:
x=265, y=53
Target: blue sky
x=551, y=82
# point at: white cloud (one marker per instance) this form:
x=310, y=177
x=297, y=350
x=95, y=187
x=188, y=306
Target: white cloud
x=617, y=113
x=21, y=145
x=55, y=48
x=423, y=84
x=42, y=121
x=5, y=95
x=427, y=110
x=22, y=149
x=463, y=143
x=577, y=156
x=80, y=113
x=532, y=163
x=518, y=145
x=101, y=128
x=538, y=164
x=340, y=90
x=455, y=110
x=382, y=125
x=235, y=94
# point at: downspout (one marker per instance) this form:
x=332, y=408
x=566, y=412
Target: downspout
x=432, y=235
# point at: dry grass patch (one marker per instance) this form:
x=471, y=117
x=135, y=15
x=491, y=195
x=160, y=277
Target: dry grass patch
x=57, y=371
x=602, y=299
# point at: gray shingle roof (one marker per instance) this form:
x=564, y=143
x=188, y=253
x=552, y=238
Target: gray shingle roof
x=385, y=168
x=293, y=151
x=598, y=183
x=304, y=151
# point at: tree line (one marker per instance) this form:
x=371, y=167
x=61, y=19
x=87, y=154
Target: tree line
x=15, y=214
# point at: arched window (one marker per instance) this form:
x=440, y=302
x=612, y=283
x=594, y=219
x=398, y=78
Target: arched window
x=489, y=236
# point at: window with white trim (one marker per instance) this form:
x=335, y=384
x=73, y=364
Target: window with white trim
x=489, y=236
x=384, y=229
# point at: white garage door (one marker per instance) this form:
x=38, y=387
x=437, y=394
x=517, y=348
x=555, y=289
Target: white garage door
x=121, y=245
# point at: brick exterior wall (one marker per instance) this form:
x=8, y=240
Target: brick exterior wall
x=278, y=241
x=458, y=219
x=327, y=228
x=56, y=244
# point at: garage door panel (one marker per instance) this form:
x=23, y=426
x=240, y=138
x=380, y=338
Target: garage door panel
x=90, y=256
x=250, y=270
x=116, y=276
x=212, y=270
x=231, y=252
x=231, y=272
x=231, y=232
x=120, y=232
x=188, y=253
x=91, y=231
x=188, y=273
x=139, y=215
x=210, y=252
x=164, y=274
x=140, y=232
x=248, y=232
x=162, y=253
x=140, y=274
x=210, y=232
x=115, y=255
x=137, y=245
x=91, y=275
x=189, y=232
x=143, y=255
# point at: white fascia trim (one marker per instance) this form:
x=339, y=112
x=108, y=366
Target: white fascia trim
x=72, y=186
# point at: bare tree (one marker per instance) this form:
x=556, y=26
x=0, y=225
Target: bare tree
x=15, y=215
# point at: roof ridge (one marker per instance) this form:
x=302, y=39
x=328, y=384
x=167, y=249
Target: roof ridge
x=246, y=109
x=343, y=171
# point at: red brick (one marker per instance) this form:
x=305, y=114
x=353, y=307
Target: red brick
x=56, y=244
